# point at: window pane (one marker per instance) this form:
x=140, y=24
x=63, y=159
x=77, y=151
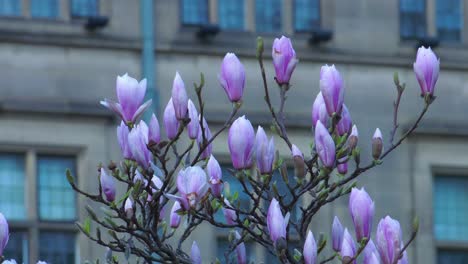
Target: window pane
x=194, y=12
x=44, y=8
x=268, y=15
x=12, y=177
x=57, y=247
x=84, y=8
x=449, y=19
x=451, y=208
x=452, y=256
x=306, y=14
x=231, y=14
x=56, y=197
x=10, y=7
x=412, y=19
x=17, y=247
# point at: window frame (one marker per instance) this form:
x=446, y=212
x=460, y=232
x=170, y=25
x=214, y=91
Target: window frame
x=32, y=225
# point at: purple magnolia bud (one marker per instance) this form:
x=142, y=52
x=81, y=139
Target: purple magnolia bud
x=130, y=94
x=175, y=217
x=107, y=185
x=345, y=123
x=353, y=138
x=331, y=86
x=361, y=208
x=342, y=168
x=241, y=141
x=209, y=149
x=265, y=151
x=310, y=249
x=128, y=207
x=122, y=137
x=154, y=133
x=240, y=251
x=337, y=234
x=319, y=111
x=194, y=125
x=4, y=233
x=138, y=141
x=377, y=144
x=195, y=254
x=324, y=145
x=139, y=177
x=215, y=174
x=192, y=187
x=388, y=238
x=371, y=255
x=179, y=97
x=232, y=77
x=284, y=59
x=348, y=248
x=171, y=124
x=229, y=214
x=296, y=152
x=426, y=68
x=276, y=223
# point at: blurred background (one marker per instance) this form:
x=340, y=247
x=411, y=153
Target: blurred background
x=59, y=58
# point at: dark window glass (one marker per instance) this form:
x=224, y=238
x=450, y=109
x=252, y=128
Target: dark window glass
x=44, y=8
x=12, y=178
x=231, y=14
x=306, y=15
x=194, y=12
x=445, y=256
x=57, y=247
x=84, y=8
x=450, y=208
x=56, y=197
x=17, y=247
x=449, y=19
x=412, y=19
x=268, y=15
x=10, y=7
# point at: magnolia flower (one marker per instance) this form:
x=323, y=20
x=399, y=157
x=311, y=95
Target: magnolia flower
x=179, y=97
x=128, y=207
x=192, y=186
x=193, y=126
x=319, y=111
x=122, y=137
x=276, y=223
x=107, y=185
x=331, y=86
x=310, y=249
x=171, y=124
x=241, y=139
x=348, y=247
x=215, y=174
x=284, y=59
x=138, y=141
x=175, y=217
x=388, y=239
x=353, y=138
x=265, y=151
x=361, y=208
x=195, y=254
x=130, y=94
x=345, y=123
x=377, y=144
x=337, y=234
x=240, y=251
x=4, y=233
x=154, y=133
x=324, y=145
x=426, y=68
x=229, y=214
x=208, y=149
x=232, y=77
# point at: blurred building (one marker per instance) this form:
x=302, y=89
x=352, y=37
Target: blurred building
x=60, y=58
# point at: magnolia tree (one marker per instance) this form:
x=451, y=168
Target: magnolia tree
x=182, y=179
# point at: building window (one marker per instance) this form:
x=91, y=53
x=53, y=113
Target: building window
x=41, y=216
x=44, y=8
x=194, y=12
x=10, y=7
x=268, y=15
x=412, y=19
x=306, y=15
x=449, y=20
x=231, y=14
x=451, y=218
x=84, y=8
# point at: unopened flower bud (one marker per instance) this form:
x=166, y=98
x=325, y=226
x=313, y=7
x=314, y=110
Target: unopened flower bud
x=332, y=88
x=128, y=207
x=4, y=233
x=232, y=77
x=154, y=133
x=215, y=174
x=195, y=254
x=325, y=145
x=179, y=97
x=337, y=234
x=426, y=68
x=310, y=249
x=361, y=208
x=171, y=124
x=241, y=140
x=284, y=59
x=193, y=126
x=348, y=248
x=377, y=144
x=175, y=217
x=353, y=138
x=107, y=185
x=265, y=150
